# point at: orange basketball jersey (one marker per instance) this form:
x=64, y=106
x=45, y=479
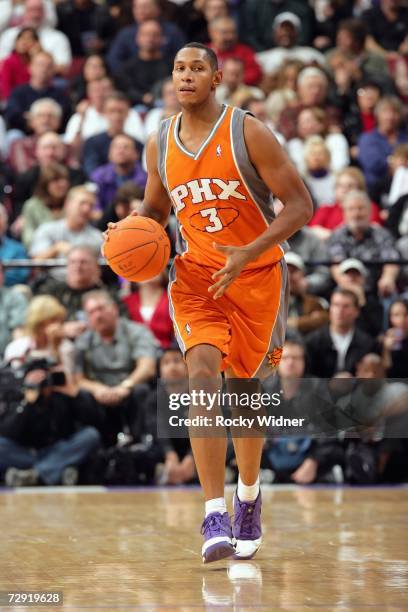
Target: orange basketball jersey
x=216, y=193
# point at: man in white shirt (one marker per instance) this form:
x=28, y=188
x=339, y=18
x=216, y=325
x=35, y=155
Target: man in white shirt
x=51, y=40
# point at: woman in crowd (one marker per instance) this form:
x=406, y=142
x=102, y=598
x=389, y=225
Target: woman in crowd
x=395, y=341
x=14, y=68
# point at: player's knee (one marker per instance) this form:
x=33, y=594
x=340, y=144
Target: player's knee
x=203, y=362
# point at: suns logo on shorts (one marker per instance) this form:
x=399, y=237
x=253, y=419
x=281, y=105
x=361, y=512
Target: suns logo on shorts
x=274, y=357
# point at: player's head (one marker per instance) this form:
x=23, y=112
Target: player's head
x=195, y=74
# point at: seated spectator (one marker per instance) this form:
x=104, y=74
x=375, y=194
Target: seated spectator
x=119, y=119
x=312, y=122
x=195, y=17
x=83, y=275
x=393, y=191
x=319, y=179
x=285, y=31
x=11, y=249
x=169, y=106
x=257, y=106
x=124, y=165
x=306, y=312
x=366, y=241
x=139, y=75
x=12, y=14
x=45, y=115
x=224, y=42
x=329, y=217
x=14, y=68
x=47, y=202
x=352, y=275
x=94, y=68
x=402, y=246
x=40, y=86
x=232, y=89
x=395, y=341
x=13, y=308
x=359, y=117
x=376, y=146
x=312, y=90
x=306, y=244
x=49, y=148
x=52, y=41
x=124, y=45
x=149, y=304
x=77, y=19
x=45, y=438
x=114, y=357
x=387, y=24
x=128, y=197
x=177, y=462
x=341, y=342
x=54, y=239
x=43, y=337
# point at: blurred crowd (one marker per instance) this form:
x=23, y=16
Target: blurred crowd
x=83, y=84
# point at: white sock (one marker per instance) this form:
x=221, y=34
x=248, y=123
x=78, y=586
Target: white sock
x=215, y=505
x=248, y=493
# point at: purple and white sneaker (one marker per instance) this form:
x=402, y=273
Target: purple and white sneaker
x=216, y=529
x=246, y=529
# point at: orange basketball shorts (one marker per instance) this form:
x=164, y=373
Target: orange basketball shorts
x=247, y=324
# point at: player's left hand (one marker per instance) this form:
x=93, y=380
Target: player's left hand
x=237, y=258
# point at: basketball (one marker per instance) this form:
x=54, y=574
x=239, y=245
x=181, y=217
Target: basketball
x=137, y=249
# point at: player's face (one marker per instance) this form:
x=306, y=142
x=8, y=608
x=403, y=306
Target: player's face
x=193, y=77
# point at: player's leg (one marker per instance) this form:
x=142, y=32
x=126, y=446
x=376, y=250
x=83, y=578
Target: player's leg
x=209, y=450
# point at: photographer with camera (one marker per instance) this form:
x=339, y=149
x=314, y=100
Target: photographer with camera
x=47, y=434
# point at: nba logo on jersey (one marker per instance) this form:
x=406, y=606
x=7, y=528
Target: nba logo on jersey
x=218, y=150
x=187, y=328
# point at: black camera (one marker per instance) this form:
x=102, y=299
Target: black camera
x=53, y=378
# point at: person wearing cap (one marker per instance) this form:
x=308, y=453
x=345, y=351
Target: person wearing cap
x=306, y=312
x=285, y=32
x=367, y=242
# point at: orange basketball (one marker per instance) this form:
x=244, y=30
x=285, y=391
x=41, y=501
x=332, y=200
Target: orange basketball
x=137, y=249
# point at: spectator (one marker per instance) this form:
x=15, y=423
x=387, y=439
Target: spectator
x=49, y=148
x=224, y=42
x=46, y=437
x=285, y=31
x=306, y=312
x=306, y=244
x=12, y=14
x=393, y=193
x=118, y=119
x=232, y=89
x=94, y=68
x=13, y=308
x=149, y=304
x=387, y=26
x=257, y=107
x=128, y=197
x=195, y=15
x=318, y=177
x=329, y=217
x=114, y=357
x=353, y=275
x=124, y=165
x=11, y=249
x=40, y=86
x=169, y=106
x=83, y=275
x=54, y=239
x=44, y=337
x=77, y=19
x=14, y=68
x=312, y=90
x=124, y=45
x=312, y=122
x=363, y=240
x=52, y=41
x=47, y=202
x=341, y=342
x=395, y=342
x=44, y=115
x=359, y=117
x=257, y=16
x=374, y=147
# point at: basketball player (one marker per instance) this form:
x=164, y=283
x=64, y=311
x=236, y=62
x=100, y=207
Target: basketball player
x=217, y=166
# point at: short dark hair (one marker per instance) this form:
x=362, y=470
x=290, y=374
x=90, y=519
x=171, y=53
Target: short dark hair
x=356, y=28
x=210, y=55
x=347, y=293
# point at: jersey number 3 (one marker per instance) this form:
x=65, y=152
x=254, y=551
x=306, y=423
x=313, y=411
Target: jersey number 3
x=216, y=225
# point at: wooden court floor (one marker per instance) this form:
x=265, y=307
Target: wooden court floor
x=324, y=549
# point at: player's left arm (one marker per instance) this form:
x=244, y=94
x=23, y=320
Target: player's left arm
x=282, y=178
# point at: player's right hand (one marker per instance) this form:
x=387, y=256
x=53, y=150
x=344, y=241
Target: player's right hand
x=112, y=226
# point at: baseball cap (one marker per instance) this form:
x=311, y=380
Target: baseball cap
x=295, y=260
x=353, y=264
x=287, y=16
